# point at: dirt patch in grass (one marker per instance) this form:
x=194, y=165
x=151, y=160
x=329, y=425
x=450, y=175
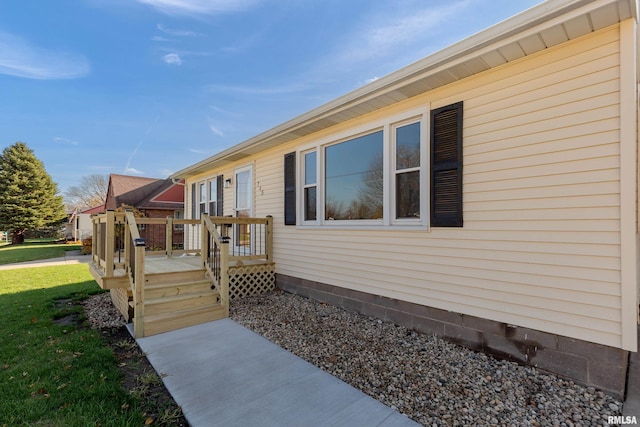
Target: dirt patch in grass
x=139, y=378
x=142, y=381
x=69, y=319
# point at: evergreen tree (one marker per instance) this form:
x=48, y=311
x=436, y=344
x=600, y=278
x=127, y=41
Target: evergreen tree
x=28, y=196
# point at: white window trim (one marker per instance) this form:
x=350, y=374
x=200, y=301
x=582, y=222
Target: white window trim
x=389, y=221
x=393, y=171
x=199, y=187
x=302, y=169
x=207, y=181
x=251, y=169
x=212, y=183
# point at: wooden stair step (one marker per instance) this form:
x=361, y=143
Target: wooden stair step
x=176, y=303
x=176, y=276
x=152, y=291
x=181, y=319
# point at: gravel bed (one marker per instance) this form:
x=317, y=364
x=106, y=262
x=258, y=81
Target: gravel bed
x=430, y=380
x=101, y=313
x=434, y=382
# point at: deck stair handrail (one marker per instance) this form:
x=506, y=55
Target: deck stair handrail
x=134, y=250
x=215, y=257
x=106, y=244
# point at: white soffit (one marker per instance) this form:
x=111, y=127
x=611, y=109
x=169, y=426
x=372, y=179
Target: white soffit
x=546, y=25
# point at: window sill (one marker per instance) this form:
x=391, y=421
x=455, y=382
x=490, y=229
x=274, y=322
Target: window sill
x=366, y=227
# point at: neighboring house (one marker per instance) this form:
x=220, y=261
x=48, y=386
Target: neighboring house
x=79, y=226
x=487, y=193
x=153, y=198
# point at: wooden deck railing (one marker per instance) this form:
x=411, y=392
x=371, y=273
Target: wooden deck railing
x=134, y=254
x=107, y=244
x=121, y=242
x=215, y=257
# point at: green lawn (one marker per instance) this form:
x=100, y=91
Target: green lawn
x=55, y=373
x=33, y=250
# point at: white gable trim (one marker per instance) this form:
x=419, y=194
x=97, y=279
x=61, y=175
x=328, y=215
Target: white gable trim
x=551, y=23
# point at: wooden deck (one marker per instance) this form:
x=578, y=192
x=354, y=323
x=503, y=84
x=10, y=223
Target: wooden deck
x=162, y=288
x=162, y=264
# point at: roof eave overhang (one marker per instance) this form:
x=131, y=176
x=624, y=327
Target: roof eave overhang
x=541, y=27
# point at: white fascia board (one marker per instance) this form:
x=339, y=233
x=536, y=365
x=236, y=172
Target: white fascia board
x=546, y=14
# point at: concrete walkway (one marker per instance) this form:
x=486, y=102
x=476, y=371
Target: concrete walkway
x=221, y=369
x=221, y=373
x=70, y=257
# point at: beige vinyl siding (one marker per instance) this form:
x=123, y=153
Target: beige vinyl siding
x=270, y=186
x=540, y=246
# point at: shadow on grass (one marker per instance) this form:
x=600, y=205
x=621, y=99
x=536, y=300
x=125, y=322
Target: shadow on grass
x=56, y=370
x=53, y=372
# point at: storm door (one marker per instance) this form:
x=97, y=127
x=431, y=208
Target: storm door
x=243, y=208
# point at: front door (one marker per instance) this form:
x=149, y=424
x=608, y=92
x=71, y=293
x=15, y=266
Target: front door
x=243, y=207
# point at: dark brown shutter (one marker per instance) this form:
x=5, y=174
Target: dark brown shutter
x=193, y=201
x=290, y=189
x=219, y=198
x=446, y=166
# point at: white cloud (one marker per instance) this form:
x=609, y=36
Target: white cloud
x=172, y=59
x=199, y=7
x=128, y=168
x=132, y=171
x=160, y=39
x=166, y=172
x=65, y=140
x=385, y=34
x=177, y=33
x=20, y=58
x=254, y=90
x=215, y=130
x=196, y=151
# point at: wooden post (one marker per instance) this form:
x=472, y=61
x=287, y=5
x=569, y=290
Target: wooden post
x=127, y=247
x=95, y=235
x=138, y=294
x=109, y=244
x=204, y=239
x=269, y=237
x=169, y=236
x=224, y=274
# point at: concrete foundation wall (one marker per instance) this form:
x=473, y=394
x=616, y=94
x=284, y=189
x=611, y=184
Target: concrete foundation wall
x=584, y=362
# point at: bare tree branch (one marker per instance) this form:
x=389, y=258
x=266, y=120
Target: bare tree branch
x=90, y=192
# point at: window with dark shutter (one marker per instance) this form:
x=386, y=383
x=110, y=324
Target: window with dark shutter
x=290, y=189
x=446, y=166
x=219, y=198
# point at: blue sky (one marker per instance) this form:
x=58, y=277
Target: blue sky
x=148, y=87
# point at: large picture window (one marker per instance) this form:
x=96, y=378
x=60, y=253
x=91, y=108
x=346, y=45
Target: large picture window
x=390, y=174
x=354, y=178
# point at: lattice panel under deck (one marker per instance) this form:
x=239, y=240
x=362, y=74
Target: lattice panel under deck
x=250, y=280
